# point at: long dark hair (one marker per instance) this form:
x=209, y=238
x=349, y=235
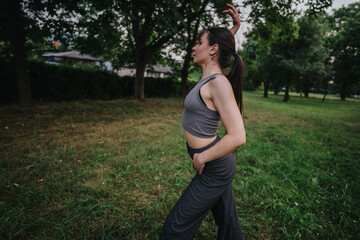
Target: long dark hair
x=226, y=42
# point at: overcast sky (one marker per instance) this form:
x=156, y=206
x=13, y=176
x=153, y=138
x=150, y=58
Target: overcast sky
x=240, y=38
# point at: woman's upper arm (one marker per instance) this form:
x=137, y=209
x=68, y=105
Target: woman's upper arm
x=224, y=100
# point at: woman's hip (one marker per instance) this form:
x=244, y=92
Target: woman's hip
x=220, y=168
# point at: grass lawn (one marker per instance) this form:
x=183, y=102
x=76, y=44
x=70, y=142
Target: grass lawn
x=114, y=169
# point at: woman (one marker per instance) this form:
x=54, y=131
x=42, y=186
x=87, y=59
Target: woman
x=215, y=96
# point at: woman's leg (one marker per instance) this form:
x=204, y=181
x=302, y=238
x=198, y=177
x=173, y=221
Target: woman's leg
x=226, y=216
x=200, y=196
x=190, y=210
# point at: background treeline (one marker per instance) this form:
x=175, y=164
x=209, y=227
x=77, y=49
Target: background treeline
x=316, y=53
x=126, y=33
x=286, y=50
x=63, y=82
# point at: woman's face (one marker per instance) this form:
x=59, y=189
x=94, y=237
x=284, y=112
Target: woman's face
x=201, y=51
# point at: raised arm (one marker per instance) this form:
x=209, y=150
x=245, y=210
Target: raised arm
x=235, y=16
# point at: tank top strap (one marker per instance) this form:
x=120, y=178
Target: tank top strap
x=209, y=78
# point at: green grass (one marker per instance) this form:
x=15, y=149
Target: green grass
x=114, y=169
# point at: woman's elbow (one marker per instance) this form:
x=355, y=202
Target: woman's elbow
x=240, y=140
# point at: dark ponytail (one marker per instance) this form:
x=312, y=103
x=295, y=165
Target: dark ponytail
x=236, y=78
x=226, y=42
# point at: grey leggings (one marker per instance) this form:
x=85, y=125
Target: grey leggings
x=210, y=190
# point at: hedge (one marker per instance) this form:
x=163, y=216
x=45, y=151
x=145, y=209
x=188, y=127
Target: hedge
x=62, y=83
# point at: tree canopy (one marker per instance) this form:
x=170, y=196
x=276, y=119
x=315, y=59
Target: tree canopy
x=284, y=50
x=344, y=43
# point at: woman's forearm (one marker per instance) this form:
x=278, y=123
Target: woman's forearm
x=222, y=148
x=235, y=16
x=234, y=29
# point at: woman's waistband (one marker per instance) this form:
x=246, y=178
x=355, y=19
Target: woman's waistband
x=199, y=150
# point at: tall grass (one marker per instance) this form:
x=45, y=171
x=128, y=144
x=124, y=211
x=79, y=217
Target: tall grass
x=114, y=169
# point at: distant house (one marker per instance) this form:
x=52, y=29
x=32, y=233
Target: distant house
x=71, y=55
x=156, y=71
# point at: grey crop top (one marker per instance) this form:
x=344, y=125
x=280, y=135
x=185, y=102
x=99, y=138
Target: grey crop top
x=197, y=118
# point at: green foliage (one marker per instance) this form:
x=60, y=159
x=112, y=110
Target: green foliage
x=274, y=23
x=273, y=20
x=285, y=53
x=299, y=63
x=312, y=56
x=114, y=169
x=253, y=76
x=63, y=83
x=345, y=44
x=8, y=90
x=42, y=19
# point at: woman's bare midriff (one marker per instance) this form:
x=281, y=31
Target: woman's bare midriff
x=196, y=142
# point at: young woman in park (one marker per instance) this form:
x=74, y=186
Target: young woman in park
x=214, y=97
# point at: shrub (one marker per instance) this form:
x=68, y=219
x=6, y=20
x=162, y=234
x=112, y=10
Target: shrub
x=62, y=83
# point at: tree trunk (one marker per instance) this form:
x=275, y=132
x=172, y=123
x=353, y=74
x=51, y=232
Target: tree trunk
x=325, y=90
x=142, y=31
x=342, y=91
x=343, y=96
x=141, y=61
x=18, y=44
x=185, y=69
x=306, y=92
x=287, y=96
x=276, y=91
x=266, y=89
x=185, y=74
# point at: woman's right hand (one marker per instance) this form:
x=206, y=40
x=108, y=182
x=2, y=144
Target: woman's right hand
x=235, y=16
x=198, y=164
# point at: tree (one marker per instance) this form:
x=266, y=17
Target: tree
x=284, y=64
x=252, y=63
x=150, y=25
x=310, y=54
x=22, y=20
x=300, y=61
x=15, y=34
x=274, y=26
x=268, y=54
x=274, y=21
x=192, y=31
x=344, y=40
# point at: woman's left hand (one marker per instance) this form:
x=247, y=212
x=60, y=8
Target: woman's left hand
x=235, y=16
x=198, y=165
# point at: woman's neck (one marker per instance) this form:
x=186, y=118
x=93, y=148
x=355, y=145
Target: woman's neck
x=210, y=68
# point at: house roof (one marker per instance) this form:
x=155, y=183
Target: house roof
x=72, y=55
x=159, y=68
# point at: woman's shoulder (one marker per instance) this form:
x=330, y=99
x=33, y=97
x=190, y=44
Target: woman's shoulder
x=220, y=88
x=220, y=82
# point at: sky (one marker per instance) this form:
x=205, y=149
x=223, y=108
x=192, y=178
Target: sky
x=245, y=27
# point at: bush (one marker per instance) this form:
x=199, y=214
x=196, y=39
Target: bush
x=9, y=88
x=161, y=87
x=62, y=83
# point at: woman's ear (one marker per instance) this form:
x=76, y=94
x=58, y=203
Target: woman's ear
x=214, y=49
